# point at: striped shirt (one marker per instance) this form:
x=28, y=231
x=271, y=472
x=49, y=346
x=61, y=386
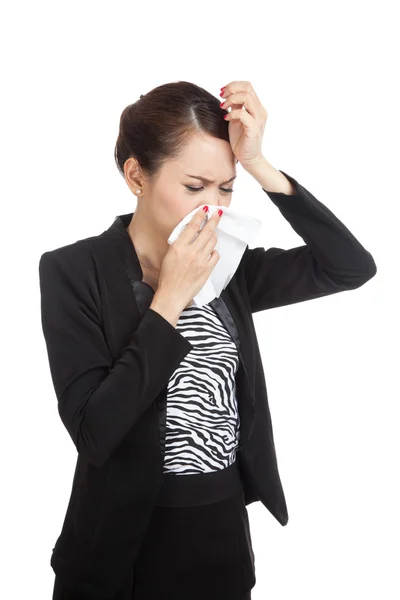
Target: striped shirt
x=202, y=422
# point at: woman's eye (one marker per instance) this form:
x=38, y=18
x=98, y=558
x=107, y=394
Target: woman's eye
x=194, y=189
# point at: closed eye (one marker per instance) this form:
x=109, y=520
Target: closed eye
x=194, y=189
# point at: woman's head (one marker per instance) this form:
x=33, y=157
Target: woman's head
x=174, y=131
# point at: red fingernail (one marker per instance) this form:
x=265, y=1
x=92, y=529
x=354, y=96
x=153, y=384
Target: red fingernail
x=222, y=89
x=220, y=212
x=205, y=208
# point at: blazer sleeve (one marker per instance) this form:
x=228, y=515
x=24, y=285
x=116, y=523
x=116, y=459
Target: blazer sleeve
x=330, y=261
x=99, y=400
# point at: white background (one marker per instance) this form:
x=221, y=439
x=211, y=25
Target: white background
x=326, y=73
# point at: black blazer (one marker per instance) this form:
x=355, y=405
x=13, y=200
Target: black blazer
x=111, y=358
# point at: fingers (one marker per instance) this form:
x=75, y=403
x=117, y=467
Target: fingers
x=194, y=225
x=236, y=101
x=242, y=93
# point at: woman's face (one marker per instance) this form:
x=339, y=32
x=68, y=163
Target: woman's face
x=177, y=191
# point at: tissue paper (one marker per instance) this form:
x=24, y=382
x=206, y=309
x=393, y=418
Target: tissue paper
x=235, y=231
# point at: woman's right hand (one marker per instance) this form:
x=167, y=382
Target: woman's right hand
x=187, y=264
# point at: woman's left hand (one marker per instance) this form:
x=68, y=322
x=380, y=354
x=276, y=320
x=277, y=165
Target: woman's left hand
x=247, y=121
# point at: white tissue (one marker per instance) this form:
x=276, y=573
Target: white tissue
x=235, y=231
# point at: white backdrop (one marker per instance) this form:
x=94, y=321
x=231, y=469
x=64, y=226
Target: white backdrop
x=326, y=75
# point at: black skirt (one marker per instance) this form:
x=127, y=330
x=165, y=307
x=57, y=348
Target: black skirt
x=197, y=552
x=197, y=545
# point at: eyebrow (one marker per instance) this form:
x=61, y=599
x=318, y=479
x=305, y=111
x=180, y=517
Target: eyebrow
x=205, y=180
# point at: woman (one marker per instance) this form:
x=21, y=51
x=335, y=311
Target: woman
x=165, y=401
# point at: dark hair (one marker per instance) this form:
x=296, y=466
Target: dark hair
x=157, y=127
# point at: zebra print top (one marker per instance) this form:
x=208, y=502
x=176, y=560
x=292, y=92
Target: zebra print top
x=202, y=426
x=202, y=421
